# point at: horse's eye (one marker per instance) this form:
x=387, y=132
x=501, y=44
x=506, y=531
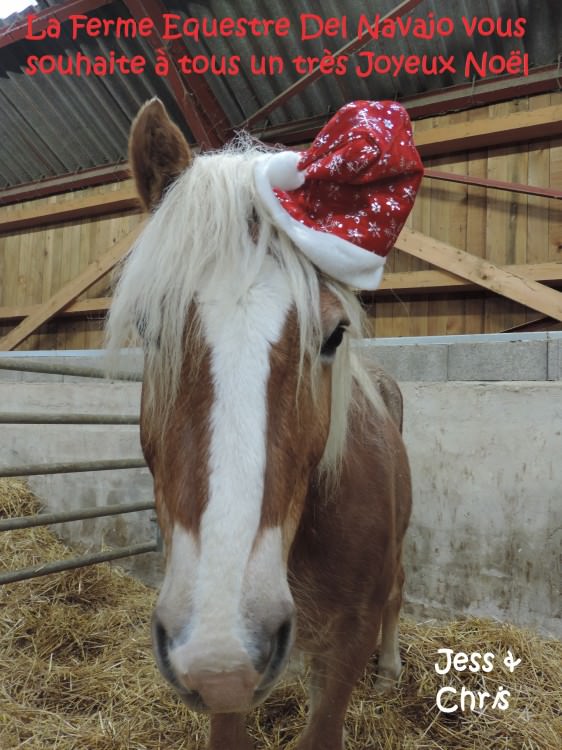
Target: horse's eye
x=330, y=344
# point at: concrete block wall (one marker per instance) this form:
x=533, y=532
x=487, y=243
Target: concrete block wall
x=483, y=427
x=486, y=357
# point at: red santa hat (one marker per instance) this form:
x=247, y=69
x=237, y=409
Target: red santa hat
x=344, y=201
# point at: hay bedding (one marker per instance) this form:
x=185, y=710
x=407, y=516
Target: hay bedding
x=76, y=672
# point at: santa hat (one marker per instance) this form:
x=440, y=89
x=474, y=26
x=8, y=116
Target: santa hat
x=344, y=201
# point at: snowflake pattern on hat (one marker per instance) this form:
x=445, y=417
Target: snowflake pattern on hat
x=363, y=162
x=345, y=200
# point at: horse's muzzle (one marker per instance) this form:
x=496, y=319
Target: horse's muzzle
x=234, y=690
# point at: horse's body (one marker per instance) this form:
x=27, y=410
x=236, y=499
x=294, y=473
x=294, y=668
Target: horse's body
x=281, y=480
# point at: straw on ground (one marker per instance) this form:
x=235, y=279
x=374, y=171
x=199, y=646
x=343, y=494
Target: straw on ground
x=77, y=673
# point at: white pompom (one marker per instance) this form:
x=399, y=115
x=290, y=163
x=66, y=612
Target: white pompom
x=282, y=171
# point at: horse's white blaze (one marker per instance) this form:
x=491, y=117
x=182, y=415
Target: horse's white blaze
x=239, y=336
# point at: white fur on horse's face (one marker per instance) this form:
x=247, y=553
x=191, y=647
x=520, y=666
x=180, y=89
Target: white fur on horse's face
x=234, y=578
x=175, y=600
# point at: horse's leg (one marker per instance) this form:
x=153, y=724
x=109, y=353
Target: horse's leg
x=228, y=732
x=389, y=665
x=334, y=674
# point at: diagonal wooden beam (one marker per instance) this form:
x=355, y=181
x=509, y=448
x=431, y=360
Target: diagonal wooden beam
x=81, y=308
x=537, y=324
x=69, y=292
x=482, y=272
x=431, y=282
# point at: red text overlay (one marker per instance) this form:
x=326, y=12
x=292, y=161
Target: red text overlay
x=332, y=31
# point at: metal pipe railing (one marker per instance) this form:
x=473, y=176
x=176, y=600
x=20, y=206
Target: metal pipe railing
x=51, y=368
x=43, y=519
x=7, y=417
x=44, y=569
x=71, y=467
x=46, y=519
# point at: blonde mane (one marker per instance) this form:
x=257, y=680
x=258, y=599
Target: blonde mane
x=211, y=226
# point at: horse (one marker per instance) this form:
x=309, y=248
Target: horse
x=281, y=480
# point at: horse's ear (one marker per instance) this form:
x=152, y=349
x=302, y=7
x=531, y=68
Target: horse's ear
x=158, y=152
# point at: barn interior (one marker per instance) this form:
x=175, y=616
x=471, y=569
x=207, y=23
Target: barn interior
x=490, y=145
x=468, y=318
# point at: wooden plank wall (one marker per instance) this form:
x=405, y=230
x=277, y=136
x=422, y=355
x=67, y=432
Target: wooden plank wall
x=35, y=263
x=503, y=227
x=500, y=226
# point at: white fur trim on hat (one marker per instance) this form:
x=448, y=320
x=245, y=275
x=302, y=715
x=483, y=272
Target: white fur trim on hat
x=336, y=257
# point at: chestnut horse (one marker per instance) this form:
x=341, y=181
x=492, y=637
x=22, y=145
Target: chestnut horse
x=281, y=480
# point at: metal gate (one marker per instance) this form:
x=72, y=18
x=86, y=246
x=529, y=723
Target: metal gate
x=45, y=519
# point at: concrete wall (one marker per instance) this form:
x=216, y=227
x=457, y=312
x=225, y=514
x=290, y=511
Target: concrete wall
x=486, y=462
x=487, y=523
x=485, y=357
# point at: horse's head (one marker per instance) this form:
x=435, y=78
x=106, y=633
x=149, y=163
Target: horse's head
x=241, y=338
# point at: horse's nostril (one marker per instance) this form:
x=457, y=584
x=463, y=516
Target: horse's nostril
x=280, y=644
x=161, y=646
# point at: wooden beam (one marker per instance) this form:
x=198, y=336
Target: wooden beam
x=438, y=103
x=477, y=93
x=69, y=292
x=431, y=282
x=537, y=324
x=513, y=128
x=510, y=187
x=112, y=201
x=481, y=272
x=407, y=282
x=64, y=183
x=82, y=308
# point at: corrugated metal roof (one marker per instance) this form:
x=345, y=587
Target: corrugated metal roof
x=53, y=125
